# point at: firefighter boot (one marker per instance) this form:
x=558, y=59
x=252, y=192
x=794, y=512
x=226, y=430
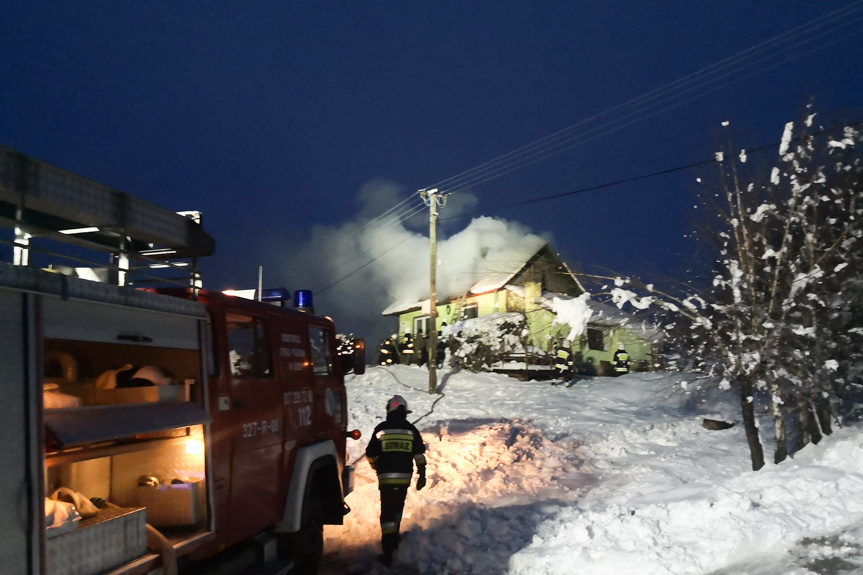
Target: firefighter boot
x=386, y=559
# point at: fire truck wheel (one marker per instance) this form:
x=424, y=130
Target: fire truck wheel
x=306, y=546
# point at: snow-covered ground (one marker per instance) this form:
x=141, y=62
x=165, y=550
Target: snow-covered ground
x=610, y=476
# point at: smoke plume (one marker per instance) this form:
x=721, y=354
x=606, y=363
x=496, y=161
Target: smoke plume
x=361, y=267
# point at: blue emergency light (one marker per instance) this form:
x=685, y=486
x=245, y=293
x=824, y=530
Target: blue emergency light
x=303, y=300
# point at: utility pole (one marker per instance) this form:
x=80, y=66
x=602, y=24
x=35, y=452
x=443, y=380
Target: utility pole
x=433, y=198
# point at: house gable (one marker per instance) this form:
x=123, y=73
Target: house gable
x=548, y=270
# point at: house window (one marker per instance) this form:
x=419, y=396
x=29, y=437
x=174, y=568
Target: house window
x=470, y=311
x=247, y=342
x=595, y=339
x=421, y=325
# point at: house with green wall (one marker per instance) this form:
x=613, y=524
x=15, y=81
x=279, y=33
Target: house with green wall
x=526, y=285
x=608, y=326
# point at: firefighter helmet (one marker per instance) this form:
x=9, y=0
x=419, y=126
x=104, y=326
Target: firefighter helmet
x=396, y=402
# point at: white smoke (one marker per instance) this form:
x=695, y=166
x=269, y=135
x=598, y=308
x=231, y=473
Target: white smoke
x=359, y=268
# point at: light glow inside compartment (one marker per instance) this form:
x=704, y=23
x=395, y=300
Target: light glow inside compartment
x=115, y=478
x=194, y=447
x=167, y=462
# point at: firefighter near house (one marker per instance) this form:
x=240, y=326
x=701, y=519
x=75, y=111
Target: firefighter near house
x=621, y=360
x=563, y=364
x=387, y=352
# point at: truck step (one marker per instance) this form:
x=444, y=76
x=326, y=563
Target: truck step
x=271, y=563
x=279, y=567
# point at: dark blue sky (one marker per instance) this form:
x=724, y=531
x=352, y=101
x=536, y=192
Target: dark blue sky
x=270, y=116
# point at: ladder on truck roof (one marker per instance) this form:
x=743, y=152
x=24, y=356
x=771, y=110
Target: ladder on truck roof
x=54, y=216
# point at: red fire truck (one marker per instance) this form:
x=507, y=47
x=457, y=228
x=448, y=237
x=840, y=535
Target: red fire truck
x=155, y=430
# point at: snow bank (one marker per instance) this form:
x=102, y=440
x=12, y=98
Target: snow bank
x=699, y=527
x=614, y=475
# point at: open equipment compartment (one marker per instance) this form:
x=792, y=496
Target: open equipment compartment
x=68, y=331
x=61, y=426
x=252, y=478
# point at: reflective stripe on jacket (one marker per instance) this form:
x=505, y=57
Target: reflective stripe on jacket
x=621, y=361
x=395, y=446
x=563, y=359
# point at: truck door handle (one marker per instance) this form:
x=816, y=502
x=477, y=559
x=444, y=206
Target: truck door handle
x=237, y=404
x=135, y=338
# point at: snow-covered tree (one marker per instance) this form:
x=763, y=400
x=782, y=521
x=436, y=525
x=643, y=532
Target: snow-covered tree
x=783, y=313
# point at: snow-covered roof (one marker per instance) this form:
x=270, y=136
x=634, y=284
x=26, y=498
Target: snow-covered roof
x=609, y=315
x=517, y=290
x=493, y=274
x=601, y=314
x=501, y=271
x=406, y=306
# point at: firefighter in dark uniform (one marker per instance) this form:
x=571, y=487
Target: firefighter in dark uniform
x=406, y=349
x=394, y=447
x=440, y=352
x=387, y=355
x=346, y=347
x=422, y=344
x=563, y=364
x=621, y=360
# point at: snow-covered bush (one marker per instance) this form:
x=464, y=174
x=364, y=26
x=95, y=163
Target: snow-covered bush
x=479, y=343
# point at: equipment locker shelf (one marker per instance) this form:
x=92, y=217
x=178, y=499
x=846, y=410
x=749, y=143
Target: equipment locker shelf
x=101, y=451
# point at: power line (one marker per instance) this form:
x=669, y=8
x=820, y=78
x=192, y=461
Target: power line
x=549, y=146
x=502, y=193
x=596, y=187
x=663, y=172
x=566, y=138
x=687, y=166
x=400, y=217
x=349, y=274
x=388, y=217
x=617, y=124
x=404, y=201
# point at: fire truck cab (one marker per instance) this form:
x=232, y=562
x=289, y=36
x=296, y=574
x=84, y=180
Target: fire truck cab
x=279, y=421
x=158, y=430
